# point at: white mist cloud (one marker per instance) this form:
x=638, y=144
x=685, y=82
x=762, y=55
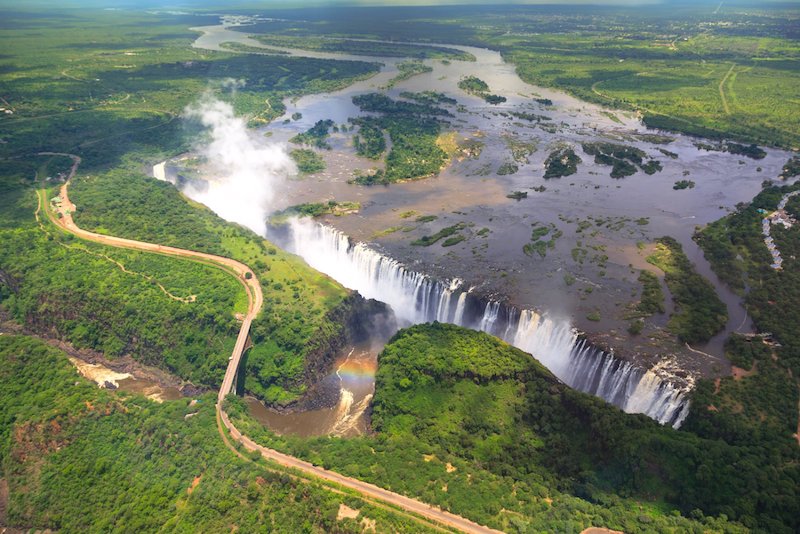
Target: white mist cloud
x=243, y=168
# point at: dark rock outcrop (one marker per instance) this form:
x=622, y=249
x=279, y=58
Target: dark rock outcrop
x=354, y=321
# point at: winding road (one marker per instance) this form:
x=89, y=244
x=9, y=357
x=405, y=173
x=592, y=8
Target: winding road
x=62, y=217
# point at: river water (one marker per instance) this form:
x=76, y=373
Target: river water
x=354, y=372
x=620, y=214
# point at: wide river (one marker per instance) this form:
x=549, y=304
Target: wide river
x=604, y=223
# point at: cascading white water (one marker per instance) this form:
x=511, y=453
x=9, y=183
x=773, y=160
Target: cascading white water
x=416, y=298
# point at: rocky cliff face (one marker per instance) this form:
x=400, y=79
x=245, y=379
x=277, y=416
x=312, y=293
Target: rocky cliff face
x=354, y=321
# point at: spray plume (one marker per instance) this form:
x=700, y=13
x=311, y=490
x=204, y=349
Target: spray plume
x=242, y=168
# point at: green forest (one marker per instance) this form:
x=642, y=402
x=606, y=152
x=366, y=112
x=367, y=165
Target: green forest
x=735, y=248
x=297, y=300
x=482, y=429
x=149, y=467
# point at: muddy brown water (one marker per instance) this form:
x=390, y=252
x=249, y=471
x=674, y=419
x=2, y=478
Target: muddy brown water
x=354, y=371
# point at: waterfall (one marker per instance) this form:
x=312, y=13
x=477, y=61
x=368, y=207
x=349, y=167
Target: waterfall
x=417, y=298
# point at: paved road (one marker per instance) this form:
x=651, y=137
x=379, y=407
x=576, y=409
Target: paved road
x=255, y=301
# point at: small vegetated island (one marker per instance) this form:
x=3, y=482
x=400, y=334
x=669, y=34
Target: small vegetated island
x=307, y=161
x=751, y=151
x=622, y=159
x=408, y=69
x=413, y=128
x=475, y=86
x=316, y=136
x=315, y=209
x=561, y=162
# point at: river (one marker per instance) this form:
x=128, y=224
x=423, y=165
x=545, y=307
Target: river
x=608, y=219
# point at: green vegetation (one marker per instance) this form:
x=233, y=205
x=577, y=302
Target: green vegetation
x=792, y=168
x=683, y=70
x=494, y=99
x=379, y=103
x=508, y=168
x=482, y=429
x=539, y=245
x=476, y=86
x=298, y=302
x=561, y=162
x=735, y=248
x=594, y=316
x=316, y=136
x=173, y=313
x=532, y=117
x=428, y=240
x=656, y=139
x=623, y=159
x=652, y=300
x=429, y=98
x=107, y=84
x=454, y=240
x=473, y=85
x=151, y=467
x=372, y=48
x=683, y=184
x=315, y=209
x=408, y=69
x=752, y=151
x=247, y=49
x=308, y=161
x=369, y=141
x=517, y=195
x=415, y=153
x=374, y=177
x=520, y=149
x=426, y=218
x=700, y=313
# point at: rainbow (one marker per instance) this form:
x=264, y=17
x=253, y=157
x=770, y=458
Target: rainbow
x=358, y=371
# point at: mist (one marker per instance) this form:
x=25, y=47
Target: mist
x=242, y=169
